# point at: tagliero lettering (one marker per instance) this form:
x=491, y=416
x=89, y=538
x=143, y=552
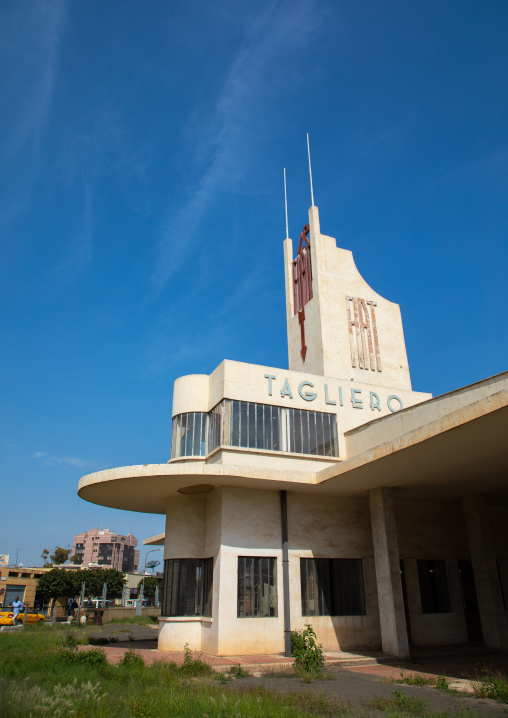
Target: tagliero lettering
x=359, y=398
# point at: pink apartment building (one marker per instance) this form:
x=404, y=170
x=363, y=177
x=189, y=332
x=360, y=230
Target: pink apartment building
x=104, y=547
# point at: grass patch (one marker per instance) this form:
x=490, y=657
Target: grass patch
x=135, y=620
x=490, y=684
x=39, y=676
x=399, y=702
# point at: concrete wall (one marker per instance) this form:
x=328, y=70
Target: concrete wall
x=246, y=522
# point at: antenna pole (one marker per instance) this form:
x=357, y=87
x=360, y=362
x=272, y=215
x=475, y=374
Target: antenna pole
x=310, y=172
x=286, y=204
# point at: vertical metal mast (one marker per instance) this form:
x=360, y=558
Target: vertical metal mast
x=310, y=172
x=286, y=204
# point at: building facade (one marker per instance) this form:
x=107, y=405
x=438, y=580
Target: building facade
x=107, y=549
x=329, y=493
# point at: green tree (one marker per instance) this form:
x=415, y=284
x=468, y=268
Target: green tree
x=56, y=583
x=75, y=559
x=150, y=583
x=61, y=555
x=95, y=578
x=45, y=556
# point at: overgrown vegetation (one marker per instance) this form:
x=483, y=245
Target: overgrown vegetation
x=39, y=676
x=308, y=654
x=489, y=684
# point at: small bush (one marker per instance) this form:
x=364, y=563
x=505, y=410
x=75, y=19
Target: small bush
x=132, y=659
x=306, y=651
x=193, y=667
x=95, y=657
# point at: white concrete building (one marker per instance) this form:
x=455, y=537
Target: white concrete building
x=329, y=493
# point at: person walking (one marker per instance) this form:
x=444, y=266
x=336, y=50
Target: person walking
x=17, y=607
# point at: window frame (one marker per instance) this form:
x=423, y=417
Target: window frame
x=332, y=585
x=253, y=598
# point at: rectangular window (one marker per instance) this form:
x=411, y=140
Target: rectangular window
x=257, y=586
x=433, y=586
x=332, y=587
x=188, y=584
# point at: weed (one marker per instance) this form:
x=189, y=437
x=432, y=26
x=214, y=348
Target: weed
x=413, y=680
x=62, y=700
x=132, y=659
x=399, y=702
x=238, y=671
x=442, y=685
x=223, y=678
x=490, y=685
x=193, y=667
x=70, y=640
x=308, y=654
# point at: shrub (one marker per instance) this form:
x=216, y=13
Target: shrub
x=132, y=659
x=238, y=671
x=95, y=657
x=491, y=685
x=307, y=652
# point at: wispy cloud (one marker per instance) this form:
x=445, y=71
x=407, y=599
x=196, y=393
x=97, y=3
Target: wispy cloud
x=237, y=117
x=75, y=461
x=208, y=340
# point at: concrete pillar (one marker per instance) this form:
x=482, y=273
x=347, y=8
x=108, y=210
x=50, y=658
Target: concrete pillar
x=483, y=559
x=389, y=587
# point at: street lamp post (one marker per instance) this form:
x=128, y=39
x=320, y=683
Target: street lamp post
x=154, y=549
x=144, y=570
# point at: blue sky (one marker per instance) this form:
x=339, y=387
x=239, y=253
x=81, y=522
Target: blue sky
x=142, y=146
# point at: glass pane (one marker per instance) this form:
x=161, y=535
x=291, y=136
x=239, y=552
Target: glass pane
x=243, y=423
x=319, y=435
x=251, y=419
x=304, y=415
x=297, y=431
x=196, y=443
x=235, y=424
x=260, y=444
x=275, y=428
x=189, y=435
x=312, y=433
x=183, y=430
